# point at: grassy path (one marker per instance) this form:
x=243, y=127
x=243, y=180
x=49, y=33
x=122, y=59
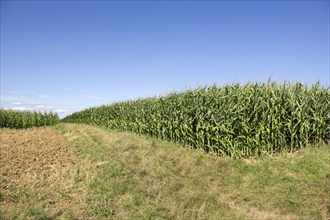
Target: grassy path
x=139, y=177
x=75, y=171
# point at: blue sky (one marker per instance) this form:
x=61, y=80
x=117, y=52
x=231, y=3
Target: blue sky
x=65, y=56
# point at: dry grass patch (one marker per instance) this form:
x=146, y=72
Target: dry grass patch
x=118, y=175
x=140, y=177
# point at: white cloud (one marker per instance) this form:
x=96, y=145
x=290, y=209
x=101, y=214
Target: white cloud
x=34, y=103
x=40, y=106
x=60, y=110
x=21, y=109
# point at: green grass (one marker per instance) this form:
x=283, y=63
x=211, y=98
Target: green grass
x=139, y=177
x=128, y=176
x=39, y=214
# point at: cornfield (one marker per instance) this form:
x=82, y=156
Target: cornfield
x=19, y=119
x=235, y=120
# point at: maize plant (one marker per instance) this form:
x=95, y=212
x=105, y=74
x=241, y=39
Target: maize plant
x=19, y=119
x=235, y=120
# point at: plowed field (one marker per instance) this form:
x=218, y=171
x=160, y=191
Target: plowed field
x=38, y=167
x=33, y=153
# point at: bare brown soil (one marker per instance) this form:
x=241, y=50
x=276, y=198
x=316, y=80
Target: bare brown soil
x=33, y=153
x=39, y=167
